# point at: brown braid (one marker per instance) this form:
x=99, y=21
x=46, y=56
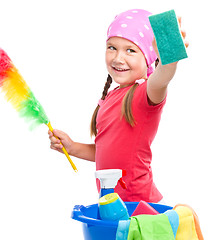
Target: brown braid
x=93, y=128
x=106, y=87
x=126, y=110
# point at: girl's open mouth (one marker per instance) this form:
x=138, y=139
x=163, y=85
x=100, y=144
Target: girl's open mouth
x=120, y=69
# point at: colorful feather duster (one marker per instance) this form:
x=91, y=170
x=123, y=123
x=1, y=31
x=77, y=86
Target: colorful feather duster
x=21, y=97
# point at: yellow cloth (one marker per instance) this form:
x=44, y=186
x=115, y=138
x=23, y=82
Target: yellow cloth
x=196, y=220
x=188, y=227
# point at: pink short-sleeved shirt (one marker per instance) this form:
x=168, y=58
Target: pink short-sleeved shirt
x=120, y=146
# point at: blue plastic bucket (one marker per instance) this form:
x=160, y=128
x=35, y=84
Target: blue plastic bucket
x=95, y=229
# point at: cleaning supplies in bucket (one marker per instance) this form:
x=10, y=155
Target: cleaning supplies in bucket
x=111, y=207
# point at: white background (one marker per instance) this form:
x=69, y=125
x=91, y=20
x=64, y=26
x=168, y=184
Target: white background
x=58, y=46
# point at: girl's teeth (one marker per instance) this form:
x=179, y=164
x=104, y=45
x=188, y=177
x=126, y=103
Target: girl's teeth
x=120, y=69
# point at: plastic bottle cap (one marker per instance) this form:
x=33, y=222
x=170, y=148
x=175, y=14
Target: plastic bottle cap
x=109, y=198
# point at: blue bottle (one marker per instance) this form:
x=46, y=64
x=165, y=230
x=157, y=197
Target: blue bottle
x=112, y=208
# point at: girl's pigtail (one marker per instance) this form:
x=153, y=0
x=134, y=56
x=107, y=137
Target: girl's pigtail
x=126, y=110
x=93, y=128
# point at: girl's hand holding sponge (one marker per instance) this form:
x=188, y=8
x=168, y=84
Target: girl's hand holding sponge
x=169, y=43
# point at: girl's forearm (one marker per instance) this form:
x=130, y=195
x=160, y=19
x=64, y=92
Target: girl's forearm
x=84, y=151
x=158, y=82
x=163, y=75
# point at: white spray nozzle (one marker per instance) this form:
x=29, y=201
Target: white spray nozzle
x=109, y=177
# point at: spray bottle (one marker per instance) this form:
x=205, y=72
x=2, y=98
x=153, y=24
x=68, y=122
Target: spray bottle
x=109, y=179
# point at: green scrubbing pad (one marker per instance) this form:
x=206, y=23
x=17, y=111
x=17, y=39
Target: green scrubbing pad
x=168, y=37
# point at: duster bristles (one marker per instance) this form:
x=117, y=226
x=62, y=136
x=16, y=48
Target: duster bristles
x=19, y=94
x=22, y=99
x=32, y=111
x=14, y=88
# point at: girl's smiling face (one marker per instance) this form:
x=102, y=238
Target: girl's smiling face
x=125, y=61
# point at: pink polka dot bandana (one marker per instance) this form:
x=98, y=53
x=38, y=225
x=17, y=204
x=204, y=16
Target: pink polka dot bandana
x=134, y=26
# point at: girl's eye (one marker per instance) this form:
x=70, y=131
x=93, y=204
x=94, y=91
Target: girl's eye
x=111, y=48
x=130, y=51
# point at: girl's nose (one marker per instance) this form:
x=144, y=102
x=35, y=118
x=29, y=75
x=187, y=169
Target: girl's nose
x=119, y=58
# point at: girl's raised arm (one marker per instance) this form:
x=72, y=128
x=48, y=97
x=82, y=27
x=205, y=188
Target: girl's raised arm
x=158, y=82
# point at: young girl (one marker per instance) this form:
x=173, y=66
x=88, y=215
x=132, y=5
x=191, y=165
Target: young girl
x=126, y=119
